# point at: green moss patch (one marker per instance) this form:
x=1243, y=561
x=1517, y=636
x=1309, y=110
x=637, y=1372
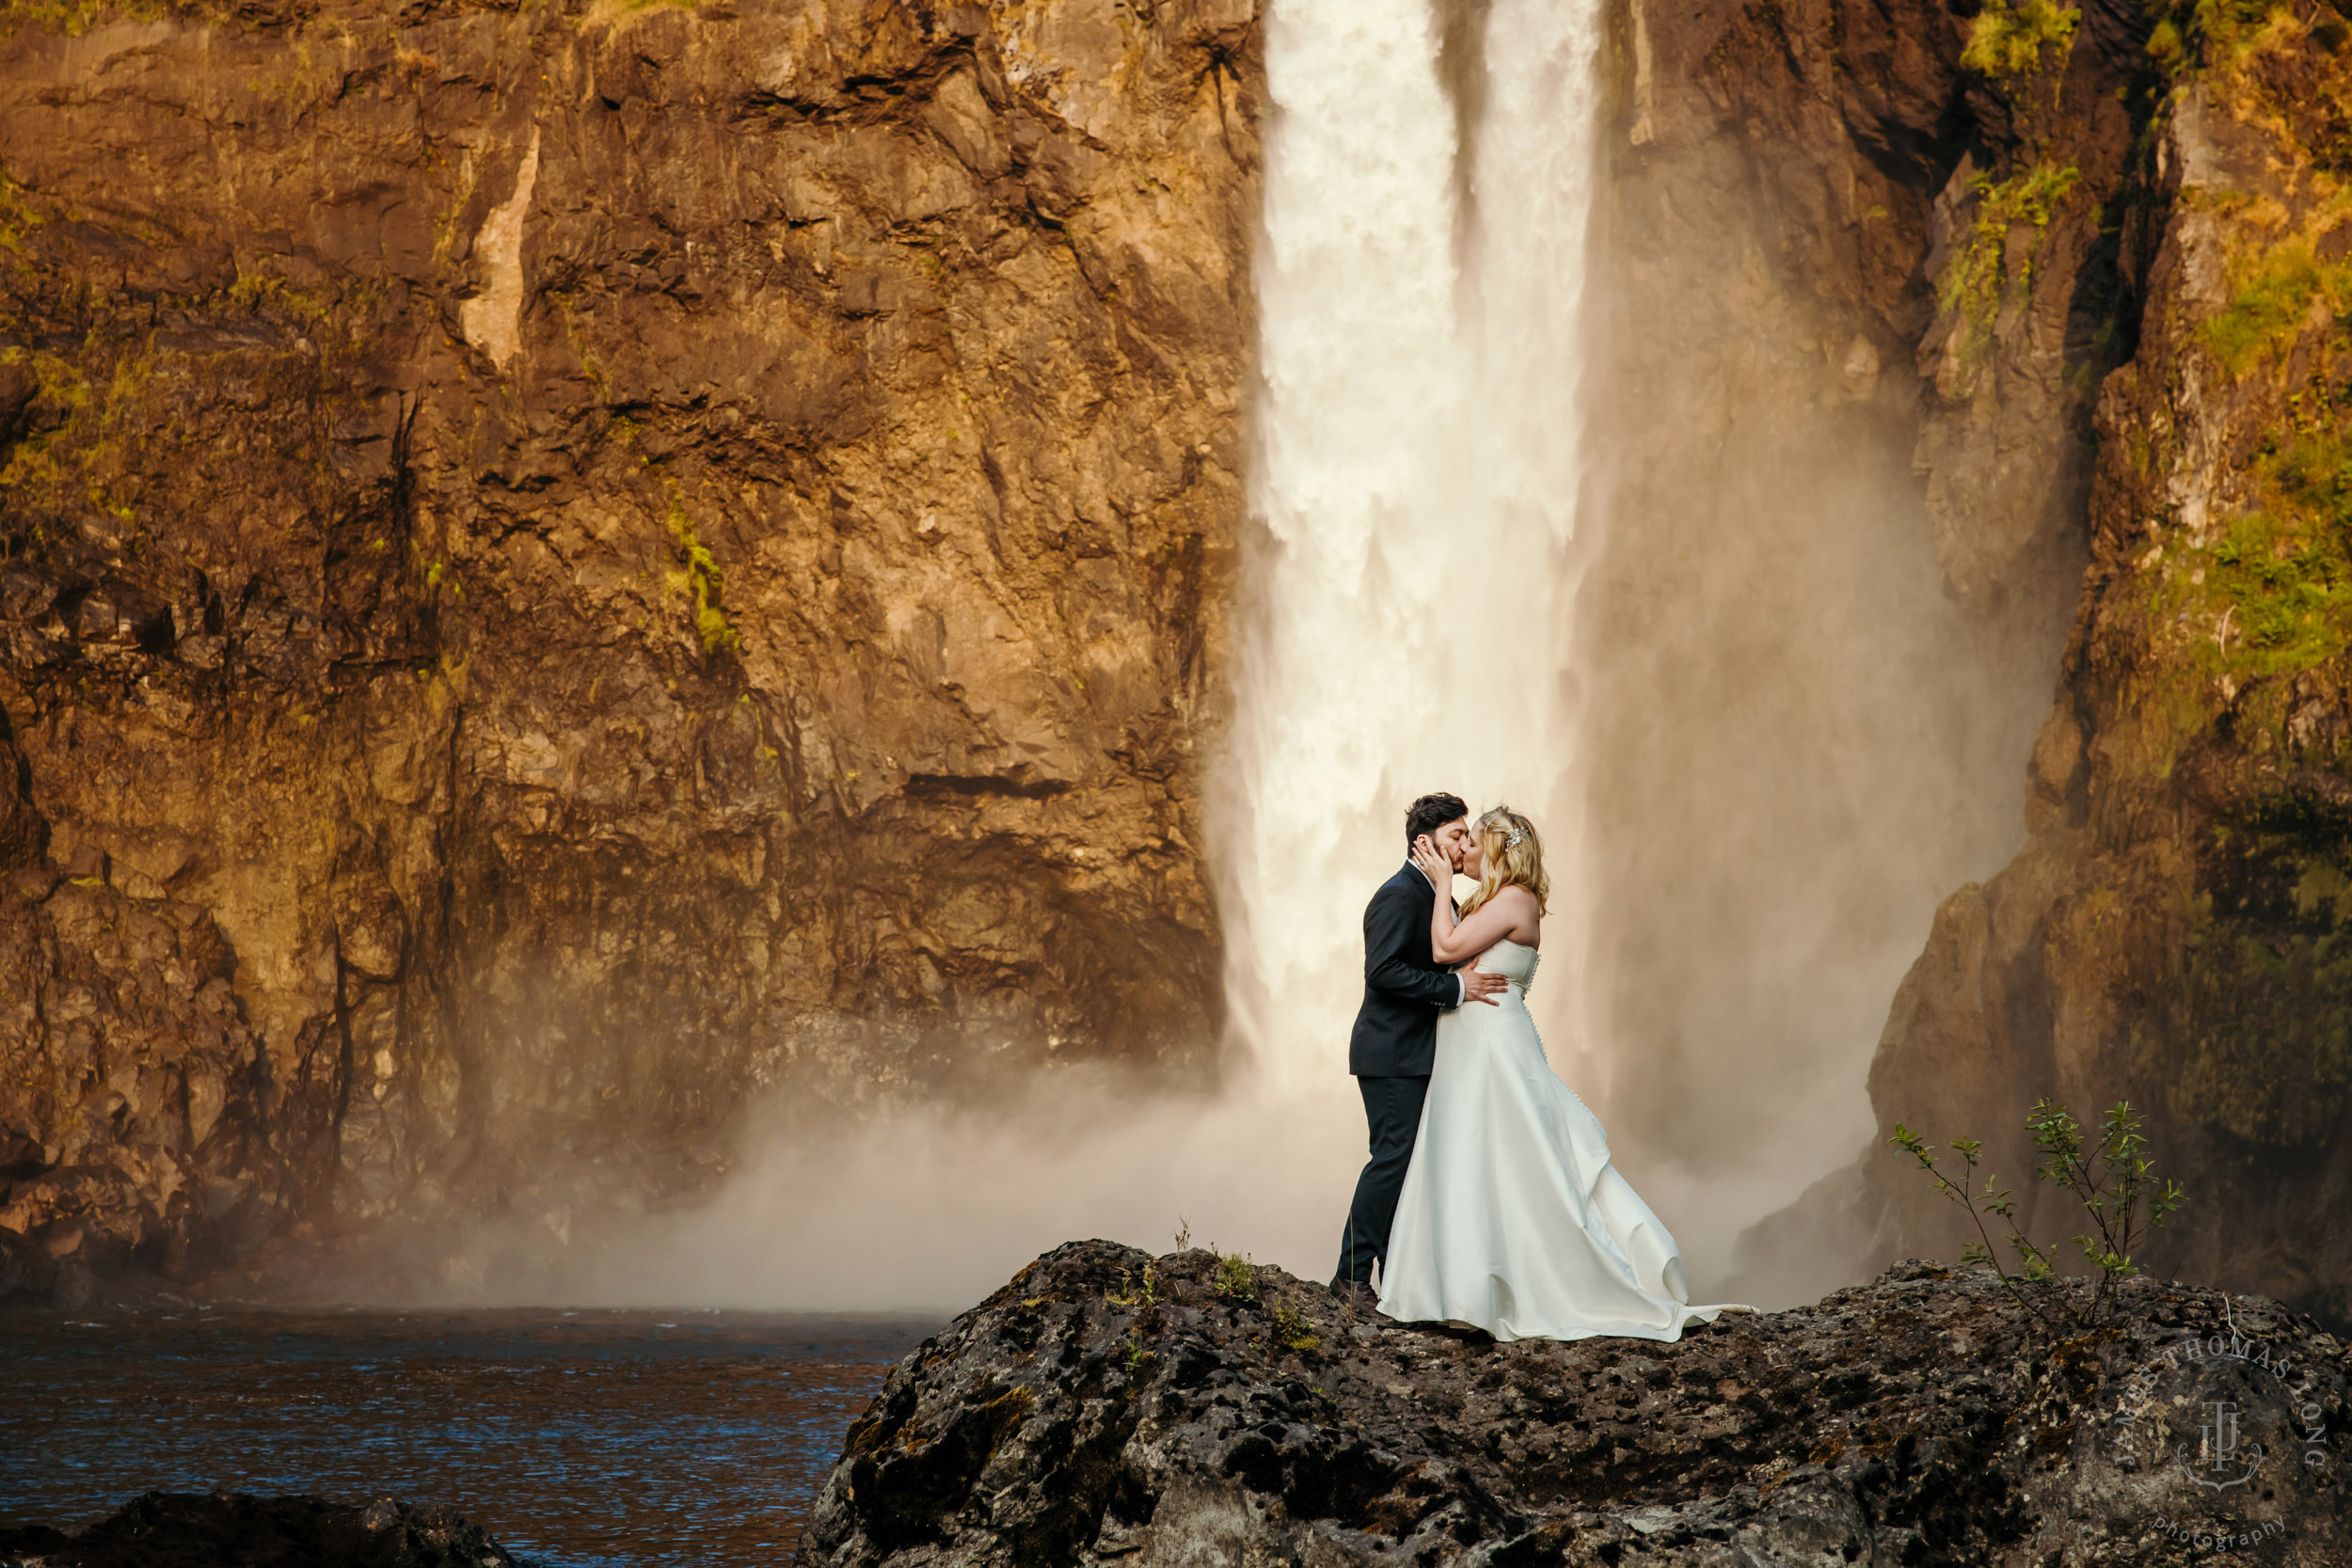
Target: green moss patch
x=698, y=574
x=2272, y=595
x=1977, y=278
x=2271, y=295
x=2005, y=43
x=2257, y=1008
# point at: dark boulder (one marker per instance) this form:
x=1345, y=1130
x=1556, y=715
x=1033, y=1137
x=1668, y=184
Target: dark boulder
x=182, y=1529
x=28, y=1273
x=1107, y=1405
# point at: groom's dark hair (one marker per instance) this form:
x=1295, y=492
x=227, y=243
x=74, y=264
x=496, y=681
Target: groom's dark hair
x=1430, y=813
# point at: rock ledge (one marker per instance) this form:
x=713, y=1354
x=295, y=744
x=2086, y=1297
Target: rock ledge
x=1108, y=1406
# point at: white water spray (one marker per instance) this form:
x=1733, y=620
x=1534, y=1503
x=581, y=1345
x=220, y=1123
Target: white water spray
x=1418, y=485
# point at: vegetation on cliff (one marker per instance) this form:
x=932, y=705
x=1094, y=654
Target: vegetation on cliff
x=2139, y=311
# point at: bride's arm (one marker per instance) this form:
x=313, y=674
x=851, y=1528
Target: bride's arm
x=1452, y=941
x=1488, y=925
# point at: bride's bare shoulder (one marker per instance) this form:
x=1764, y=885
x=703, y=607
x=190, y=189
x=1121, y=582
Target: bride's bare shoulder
x=1526, y=912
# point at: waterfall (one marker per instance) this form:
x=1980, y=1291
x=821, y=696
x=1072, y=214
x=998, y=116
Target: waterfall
x=1417, y=486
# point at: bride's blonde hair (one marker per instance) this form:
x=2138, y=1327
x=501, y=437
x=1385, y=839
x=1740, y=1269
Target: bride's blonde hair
x=1511, y=854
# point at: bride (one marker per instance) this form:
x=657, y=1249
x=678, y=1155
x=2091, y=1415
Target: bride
x=1512, y=1219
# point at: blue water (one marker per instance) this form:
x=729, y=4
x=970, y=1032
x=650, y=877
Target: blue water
x=587, y=1439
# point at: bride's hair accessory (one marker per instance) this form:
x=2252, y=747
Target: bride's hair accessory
x=1510, y=831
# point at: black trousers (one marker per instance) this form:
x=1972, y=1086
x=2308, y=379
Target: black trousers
x=1393, y=1112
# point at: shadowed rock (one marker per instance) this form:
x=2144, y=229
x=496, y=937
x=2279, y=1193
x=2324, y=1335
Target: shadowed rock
x=180, y=1529
x=1107, y=1406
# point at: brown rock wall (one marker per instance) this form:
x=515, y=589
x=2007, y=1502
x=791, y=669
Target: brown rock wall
x=565, y=565
x=2125, y=309
x=2170, y=933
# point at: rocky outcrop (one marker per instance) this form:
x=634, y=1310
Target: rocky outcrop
x=562, y=567
x=2075, y=268
x=182, y=1529
x=1106, y=1406
x=2173, y=932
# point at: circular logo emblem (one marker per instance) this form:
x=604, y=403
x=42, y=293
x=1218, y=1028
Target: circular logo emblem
x=2237, y=1421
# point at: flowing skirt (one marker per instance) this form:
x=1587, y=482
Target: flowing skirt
x=1512, y=1218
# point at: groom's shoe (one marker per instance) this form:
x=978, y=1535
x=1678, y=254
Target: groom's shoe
x=1355, y=1294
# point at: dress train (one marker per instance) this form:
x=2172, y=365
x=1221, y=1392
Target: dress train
x=1512, y=1219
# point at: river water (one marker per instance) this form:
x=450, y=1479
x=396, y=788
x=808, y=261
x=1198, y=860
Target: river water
x=580, y=1439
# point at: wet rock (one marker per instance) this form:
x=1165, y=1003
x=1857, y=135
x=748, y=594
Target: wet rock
x=27, y=1272
x=182, y=1529
x=1108, y=1406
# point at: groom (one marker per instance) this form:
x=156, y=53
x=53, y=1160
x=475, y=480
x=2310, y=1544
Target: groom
x=1396, y=1028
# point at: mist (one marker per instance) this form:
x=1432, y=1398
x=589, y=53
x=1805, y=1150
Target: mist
x=930, y=1206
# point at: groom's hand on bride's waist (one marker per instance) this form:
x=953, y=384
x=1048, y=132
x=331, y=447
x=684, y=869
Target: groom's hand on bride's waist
x=1479, y=985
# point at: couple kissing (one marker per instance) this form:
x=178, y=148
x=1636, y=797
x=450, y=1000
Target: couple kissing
x=1488, y=1201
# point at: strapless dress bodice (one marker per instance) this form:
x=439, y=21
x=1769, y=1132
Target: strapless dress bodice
x=1515, y=961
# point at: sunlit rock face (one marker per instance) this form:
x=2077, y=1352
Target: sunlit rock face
x=565, y=565
x=2176, y=930
x=2091, y=274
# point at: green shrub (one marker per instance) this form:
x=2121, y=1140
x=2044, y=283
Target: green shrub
x=2121, y=1196
x=2004, y=44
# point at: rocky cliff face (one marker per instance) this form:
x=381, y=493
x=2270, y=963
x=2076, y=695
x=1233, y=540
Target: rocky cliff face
x=2077, y=268
x=1104, y=1406
x=562, y=566
x=2174, y=931
x=1845, y=457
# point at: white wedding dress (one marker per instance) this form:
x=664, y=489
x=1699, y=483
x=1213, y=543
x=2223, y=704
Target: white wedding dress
x=1512, y=1219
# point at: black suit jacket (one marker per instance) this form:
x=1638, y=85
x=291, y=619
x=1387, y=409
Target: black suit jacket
x=1404, y=988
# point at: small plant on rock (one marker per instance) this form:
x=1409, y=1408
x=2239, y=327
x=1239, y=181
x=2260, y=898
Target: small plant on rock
x=1293, y=1330
x=2111, y=1177
x=1147, y=1295
x=1235, y=1279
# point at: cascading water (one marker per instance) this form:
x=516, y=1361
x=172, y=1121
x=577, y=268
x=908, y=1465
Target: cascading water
x=1422, y=351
